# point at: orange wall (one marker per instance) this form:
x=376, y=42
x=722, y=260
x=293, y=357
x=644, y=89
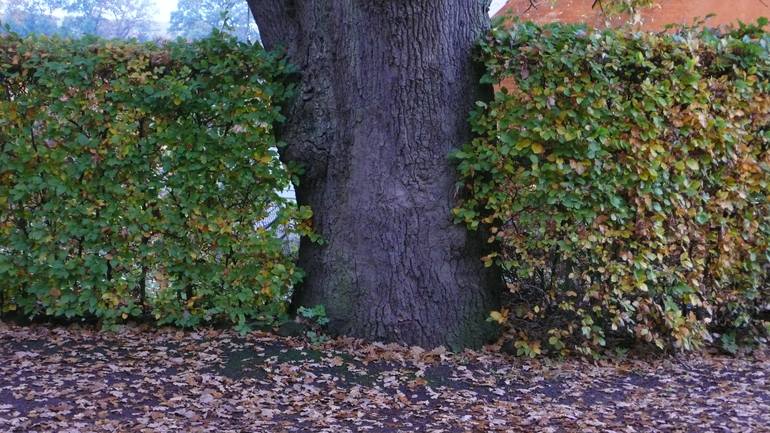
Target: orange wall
x=668, y=11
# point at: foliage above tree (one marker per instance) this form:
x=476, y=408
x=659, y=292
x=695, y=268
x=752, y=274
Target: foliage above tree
x=142, y=180
x=31, y=16
x=194, y=19
x=104, y=18
x=109, y=18
x=623, y=178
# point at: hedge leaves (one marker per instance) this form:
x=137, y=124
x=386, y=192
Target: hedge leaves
x=142, y=179
x=624, y=180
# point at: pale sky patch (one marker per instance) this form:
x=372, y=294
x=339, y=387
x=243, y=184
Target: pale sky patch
x=165, y=7
x=496, y=6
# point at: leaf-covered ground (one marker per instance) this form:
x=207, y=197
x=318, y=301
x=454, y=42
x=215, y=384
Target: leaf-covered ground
x=76, y=380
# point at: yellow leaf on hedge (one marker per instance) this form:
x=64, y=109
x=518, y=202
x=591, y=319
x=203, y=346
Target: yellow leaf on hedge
x=538, y=148
x=499, y=317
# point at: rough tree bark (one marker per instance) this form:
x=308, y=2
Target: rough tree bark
x=384, y=95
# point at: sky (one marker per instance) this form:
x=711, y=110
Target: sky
x=496, y=5
x=165, y=7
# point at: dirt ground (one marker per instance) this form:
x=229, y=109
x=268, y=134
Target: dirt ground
x=78, y=380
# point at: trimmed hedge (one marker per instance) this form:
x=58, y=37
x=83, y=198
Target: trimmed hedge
x=624, y=180
x=143, y=180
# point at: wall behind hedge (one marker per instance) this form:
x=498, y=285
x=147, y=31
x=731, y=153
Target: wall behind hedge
x=142, y=180
x=624, y=180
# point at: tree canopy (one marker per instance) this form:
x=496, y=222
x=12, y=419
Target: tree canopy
x=194, y=19
x=109, y=18
x=104, y=18
x=31, y=16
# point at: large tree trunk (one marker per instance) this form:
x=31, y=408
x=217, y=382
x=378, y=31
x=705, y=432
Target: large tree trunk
x=385, y=91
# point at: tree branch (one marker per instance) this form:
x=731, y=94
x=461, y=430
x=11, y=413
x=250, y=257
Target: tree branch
x=277, y=22
x=532, y=5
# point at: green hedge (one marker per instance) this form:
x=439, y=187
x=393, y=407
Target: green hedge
x=142, y=180
x=624, y=180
